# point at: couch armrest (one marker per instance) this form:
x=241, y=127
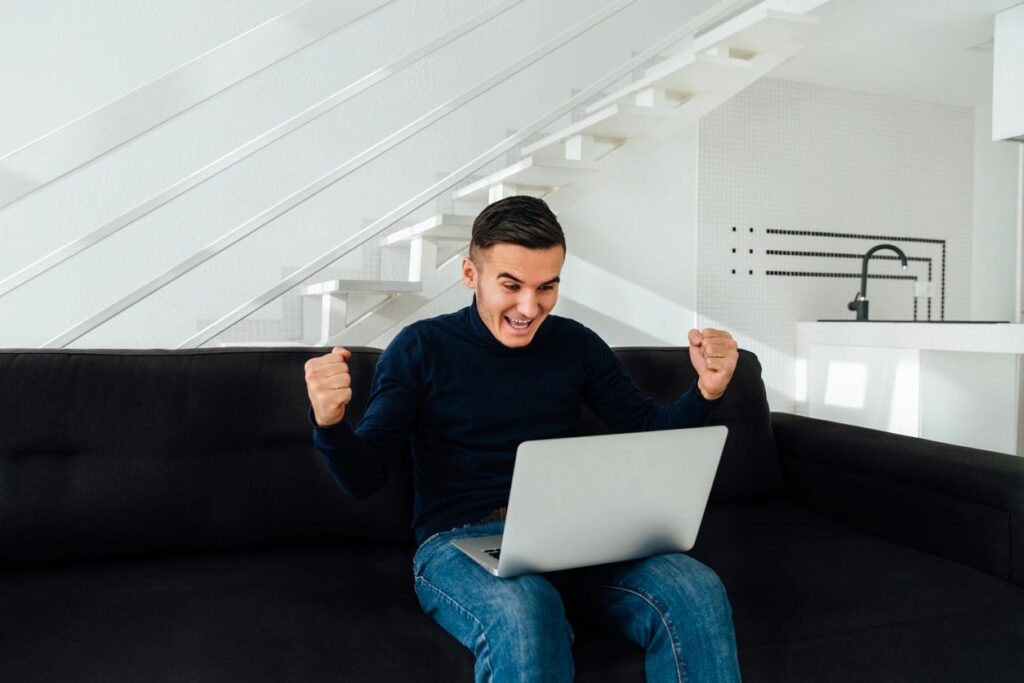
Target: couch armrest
x=963, y=504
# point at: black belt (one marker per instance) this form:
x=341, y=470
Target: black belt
x=498, y=515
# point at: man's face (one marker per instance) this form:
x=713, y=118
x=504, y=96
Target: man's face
x=515, y=288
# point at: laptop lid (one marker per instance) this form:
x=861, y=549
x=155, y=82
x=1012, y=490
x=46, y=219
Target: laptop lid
x=592, y=500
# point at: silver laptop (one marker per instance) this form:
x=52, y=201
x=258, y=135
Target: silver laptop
x=590, y=500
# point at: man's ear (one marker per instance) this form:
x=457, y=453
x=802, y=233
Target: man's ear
x=469, y=274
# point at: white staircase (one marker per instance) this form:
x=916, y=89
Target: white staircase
x=424, y=240
x=344, y=302
x=608, y=134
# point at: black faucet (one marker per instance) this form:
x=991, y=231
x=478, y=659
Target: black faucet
x=860, y=302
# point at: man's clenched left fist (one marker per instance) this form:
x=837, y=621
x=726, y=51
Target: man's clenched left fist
x=714, y=355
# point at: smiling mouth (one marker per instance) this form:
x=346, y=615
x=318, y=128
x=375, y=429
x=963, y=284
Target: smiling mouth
x=518, y=324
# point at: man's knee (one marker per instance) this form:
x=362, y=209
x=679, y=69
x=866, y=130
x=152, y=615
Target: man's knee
x=490, y=611
x=689, y=616
x=679, y=589
x=528, y=609
x=695, y=592
x=524, y=632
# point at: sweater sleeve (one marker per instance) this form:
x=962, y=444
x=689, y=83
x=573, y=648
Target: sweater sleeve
x=359, y=459
x=615, y=399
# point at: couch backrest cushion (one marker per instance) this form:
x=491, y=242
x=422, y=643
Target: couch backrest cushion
x=749, y=469
x=132, y=453
x=116, y=454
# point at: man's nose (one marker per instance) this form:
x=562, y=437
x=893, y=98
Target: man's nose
x=528, y=305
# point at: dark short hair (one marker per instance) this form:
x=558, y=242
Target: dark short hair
x=522, y=220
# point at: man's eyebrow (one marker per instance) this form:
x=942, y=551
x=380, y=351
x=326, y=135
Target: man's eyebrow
x=512, y=277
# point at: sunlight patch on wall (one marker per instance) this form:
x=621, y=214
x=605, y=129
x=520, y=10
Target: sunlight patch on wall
x=846, y=384
x=904, y=413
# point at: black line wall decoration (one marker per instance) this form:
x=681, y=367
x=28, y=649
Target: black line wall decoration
x=886, y=238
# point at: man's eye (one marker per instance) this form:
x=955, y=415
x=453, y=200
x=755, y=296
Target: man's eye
x=511, y=287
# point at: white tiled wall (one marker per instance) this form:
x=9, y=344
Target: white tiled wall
x=790, y=167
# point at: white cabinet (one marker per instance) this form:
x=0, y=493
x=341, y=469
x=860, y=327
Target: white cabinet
x=958, y=383
x=1008, y=75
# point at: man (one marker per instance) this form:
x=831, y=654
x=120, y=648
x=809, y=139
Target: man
x=462, y=391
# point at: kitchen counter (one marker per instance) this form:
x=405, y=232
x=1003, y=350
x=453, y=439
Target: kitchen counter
x=970, y=337
x=960, y=383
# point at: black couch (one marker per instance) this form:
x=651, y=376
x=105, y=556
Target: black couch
x=164, y=517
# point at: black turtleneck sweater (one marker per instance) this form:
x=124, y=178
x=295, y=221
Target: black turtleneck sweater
x=462, y=402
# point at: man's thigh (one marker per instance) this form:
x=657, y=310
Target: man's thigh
x=470, y=602
x=634, y=597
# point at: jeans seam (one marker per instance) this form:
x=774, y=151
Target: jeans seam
x=463, y=610
x=680, y=673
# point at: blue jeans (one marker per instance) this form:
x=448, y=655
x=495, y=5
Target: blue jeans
x=671, y=605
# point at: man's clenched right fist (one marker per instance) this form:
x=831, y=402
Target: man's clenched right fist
x=329, y=386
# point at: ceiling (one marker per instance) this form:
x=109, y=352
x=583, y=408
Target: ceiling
x=905, y=48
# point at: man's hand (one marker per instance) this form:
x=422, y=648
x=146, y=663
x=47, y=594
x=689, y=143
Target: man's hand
x=714, y=355
x=329, y=386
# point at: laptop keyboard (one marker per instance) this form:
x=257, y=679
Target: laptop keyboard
x=494, y=552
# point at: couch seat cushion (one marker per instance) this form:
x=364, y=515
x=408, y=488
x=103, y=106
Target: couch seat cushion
x=813, y=601
x=275, y=615
x=312, y=614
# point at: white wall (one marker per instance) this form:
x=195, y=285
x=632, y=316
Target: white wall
x=72, y=58
x=61, y=59
x=634, y=246
x=994, y=239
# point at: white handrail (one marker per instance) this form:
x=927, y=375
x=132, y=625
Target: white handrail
x=323, y=182
x=451, y=180
x=103, y=130
x=80, y=244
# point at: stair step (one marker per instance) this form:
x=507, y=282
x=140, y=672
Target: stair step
x=391, y=313
x=619, y=121
x=361, y=287
x=443, y=226
x=757, y=30
x=687, y=72
x=750, y=38
x=536, y=176
x=699, y=72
